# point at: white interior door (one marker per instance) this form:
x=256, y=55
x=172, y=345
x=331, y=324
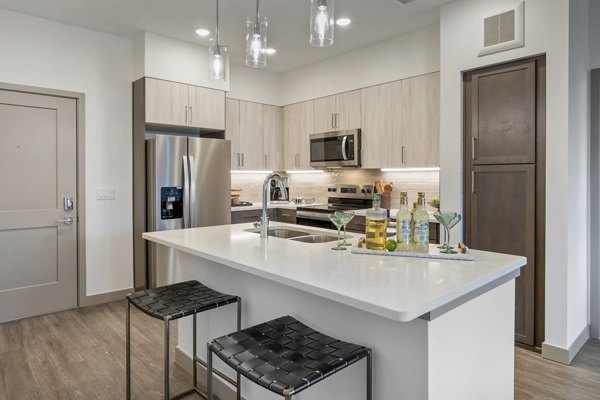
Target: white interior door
x=38, y=161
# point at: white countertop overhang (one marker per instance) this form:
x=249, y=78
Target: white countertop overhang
x=397, y=288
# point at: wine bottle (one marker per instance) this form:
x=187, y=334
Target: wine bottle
x=420, y=242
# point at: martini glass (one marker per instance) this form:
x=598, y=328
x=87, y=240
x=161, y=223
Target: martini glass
x=338, y=221
x=448, y=220
x=347, y=216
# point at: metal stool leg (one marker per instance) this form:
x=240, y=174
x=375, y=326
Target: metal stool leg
x=166, y=359
x=370, y=375
x=209, y=373
x=238, y=386
x=194, y=369
x=128, y=351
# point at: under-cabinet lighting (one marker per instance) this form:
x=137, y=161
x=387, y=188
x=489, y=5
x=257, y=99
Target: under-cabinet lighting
x=308, y=171
x=251, y=172
x=410, y=169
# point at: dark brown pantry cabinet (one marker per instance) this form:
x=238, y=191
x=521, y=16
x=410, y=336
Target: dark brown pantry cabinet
x=504, y=147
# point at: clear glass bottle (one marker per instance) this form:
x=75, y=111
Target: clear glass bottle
x=376, y=225
x=403, y=224
x=420, y=242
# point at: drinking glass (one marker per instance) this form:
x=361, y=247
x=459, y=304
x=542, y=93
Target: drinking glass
x=347, y=217
x=448, y=220
x=338, y=221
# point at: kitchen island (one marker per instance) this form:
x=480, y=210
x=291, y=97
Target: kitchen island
x=439, y=329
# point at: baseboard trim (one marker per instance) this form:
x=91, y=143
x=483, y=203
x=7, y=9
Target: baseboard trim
x=566, y=356
x=220, y=388
x=104, y=297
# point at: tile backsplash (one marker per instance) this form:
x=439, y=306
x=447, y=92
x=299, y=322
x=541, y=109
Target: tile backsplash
x=316, y=184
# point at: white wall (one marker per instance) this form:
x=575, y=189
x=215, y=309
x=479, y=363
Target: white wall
x=256, y=85
x=405, y=56
x=47, y=54
x=546, y=31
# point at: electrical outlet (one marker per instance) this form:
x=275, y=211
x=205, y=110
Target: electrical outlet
x=105, y=193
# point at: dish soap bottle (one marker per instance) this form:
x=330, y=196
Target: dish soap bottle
x=403, y=224
x=376, y=225
x=420, y=242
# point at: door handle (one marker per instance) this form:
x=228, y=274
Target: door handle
x=67, y=221
x=473, y=149
x=186, y=193
x=473, y=188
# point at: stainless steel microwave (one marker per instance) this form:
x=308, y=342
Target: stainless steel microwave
x=335, y=149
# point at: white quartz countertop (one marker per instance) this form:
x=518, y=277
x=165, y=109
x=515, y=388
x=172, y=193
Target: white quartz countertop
x=396, y=288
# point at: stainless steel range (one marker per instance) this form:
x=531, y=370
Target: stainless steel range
x=341, y=198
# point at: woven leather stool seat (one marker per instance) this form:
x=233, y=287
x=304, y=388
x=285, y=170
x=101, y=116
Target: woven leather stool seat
x=179, y=300
x=285, y=356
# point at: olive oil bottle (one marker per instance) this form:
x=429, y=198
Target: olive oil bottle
x=420, y=242
x=404, y=224
x=376, y=225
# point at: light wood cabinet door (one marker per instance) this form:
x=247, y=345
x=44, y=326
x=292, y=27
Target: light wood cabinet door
x=251, y=135
x=381, y=126
x=348, y=110
x=325, y=109
x=232, y=132
x=206, y=108
x=298, y=126
x=421, y=121
x=166, y=102
x=272, y=137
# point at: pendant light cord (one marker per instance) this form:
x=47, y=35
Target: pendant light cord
x=217, y=22
x=257, y=2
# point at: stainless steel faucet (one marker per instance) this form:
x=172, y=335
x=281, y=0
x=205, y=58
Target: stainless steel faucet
x=264, y=220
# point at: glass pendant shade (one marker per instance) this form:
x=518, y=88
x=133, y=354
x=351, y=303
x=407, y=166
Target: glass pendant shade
x=256, y=41
x=218, y=59
x=322, y=22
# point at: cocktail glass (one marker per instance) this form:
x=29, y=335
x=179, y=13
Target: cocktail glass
x=338, y=221
x=347, y=217
x=448, y=220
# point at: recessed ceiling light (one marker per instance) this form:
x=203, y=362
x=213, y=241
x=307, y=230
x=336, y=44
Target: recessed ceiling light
x=202, y=32
x=343, y=21
x=270, y=51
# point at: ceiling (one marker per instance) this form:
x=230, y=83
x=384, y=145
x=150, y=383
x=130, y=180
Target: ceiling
x=372, y=21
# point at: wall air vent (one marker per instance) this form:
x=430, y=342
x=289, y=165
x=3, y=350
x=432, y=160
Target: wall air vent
x=504, y=31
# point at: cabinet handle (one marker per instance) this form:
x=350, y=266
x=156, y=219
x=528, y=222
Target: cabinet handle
x=473, y=188
x=337, y=120
x=402, y=154
x=473, y=146
x=186, y=115
x=191, y=114
x=333, y=120
x=242, y=159
x=265, y=161
x=238, y=159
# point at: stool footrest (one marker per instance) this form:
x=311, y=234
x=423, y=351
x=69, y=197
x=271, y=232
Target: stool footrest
x=217, y=372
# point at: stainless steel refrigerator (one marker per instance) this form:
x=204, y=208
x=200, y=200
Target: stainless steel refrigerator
x=188, y=186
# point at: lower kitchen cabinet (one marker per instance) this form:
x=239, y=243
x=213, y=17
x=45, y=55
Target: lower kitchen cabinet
x=245, y=216
x=358, y=224
x=286, y=215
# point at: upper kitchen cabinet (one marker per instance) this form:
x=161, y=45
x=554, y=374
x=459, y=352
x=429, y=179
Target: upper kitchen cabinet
x=273, y=137
x=338, y=112
x=400, y=123
x=381, y=125
x=172, y=103
x=251, y=135
x=232, y=131
x=299, y=124
x=421, y=121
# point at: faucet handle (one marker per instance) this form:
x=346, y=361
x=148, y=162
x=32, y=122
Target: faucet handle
x=257, y=224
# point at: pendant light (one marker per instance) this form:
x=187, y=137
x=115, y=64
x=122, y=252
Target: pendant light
x=322, y=22
x=217, y=56
x=256, y=40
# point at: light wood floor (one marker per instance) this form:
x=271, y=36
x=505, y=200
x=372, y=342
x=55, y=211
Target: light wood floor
x=80, y=354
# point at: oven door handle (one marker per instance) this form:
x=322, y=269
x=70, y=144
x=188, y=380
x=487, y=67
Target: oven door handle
x=344, y=143
x=313, y=215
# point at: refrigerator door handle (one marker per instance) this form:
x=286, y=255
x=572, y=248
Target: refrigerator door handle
x=186, y=193
x=193, y=205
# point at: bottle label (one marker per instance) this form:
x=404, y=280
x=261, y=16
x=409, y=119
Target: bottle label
x=421, y=233
x=403, y=227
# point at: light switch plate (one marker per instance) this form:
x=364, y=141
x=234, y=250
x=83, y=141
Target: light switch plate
x=105, y=193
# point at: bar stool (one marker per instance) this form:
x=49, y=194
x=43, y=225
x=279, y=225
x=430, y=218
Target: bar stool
x=172, y=302
x=286, y=356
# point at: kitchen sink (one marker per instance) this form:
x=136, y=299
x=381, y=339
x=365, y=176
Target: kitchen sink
x=315, y=239
x=282, y=233
x=297, y=235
